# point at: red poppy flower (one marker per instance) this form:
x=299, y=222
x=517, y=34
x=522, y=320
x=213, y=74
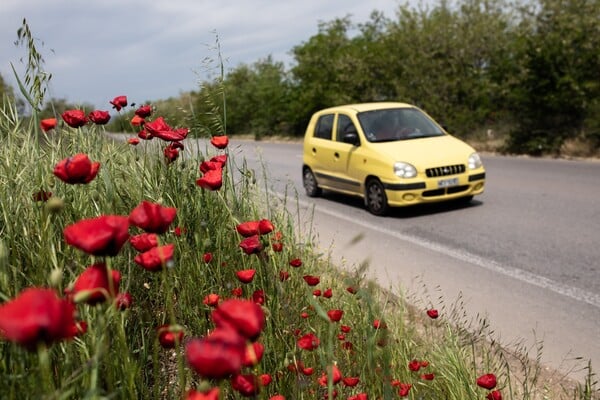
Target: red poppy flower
x=328, y=293
x=171, y=154
x=414, y=365
x=160, y=129
x=217, y=355
x=351, y=290
x=253, y=355
x=144, y=241
x=345, y=328
x=360, y=396
x=277, y=247
x=211, y=180
x=211, y=300
x=487, y=381
x=99, y=117
x=169, y=335
x=206, y=166
x=335, y=315
x=237, y=292
x=296, y=263
x=265, y=380
x=178, y=231
x=152, y=217
x=123, y=301
x=251, y=245
x=494, y=395
x=246, y=276
x=144, y=111
x=159, y=124
x=220, y=142
x=244, y=316
x=41, y=195
x=433, y=313
x=207, y=257
x=136, y=120
x=76, y=169
x=47, y=124
x=143, y=134
x=247, y=385
x=317, y=292
x=212, y=394
x=404, y=389
x=277, y=397
x=336, y=376
x=156, y=258
x=308, y=371
x=377, y=324
x=100, y=236
x=74, y=118
x=308, y=342
x=427, y=377
x=424, y=363
x=311, y=280
x=258, y=297
x=119, y=102
x=37, y=315
x=265, y=226
x=284, y=276
x=133, y=141
x=247, y=229
x=350, y=381
x=94, y=286
x=220, y=159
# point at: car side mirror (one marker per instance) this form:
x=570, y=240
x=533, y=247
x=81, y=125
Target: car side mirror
x=352, y=138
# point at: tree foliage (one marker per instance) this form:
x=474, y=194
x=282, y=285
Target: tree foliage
x=530, y=70
x=558, y=93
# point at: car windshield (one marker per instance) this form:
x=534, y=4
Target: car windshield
x=397, y=124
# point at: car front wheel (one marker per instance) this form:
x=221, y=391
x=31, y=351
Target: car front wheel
x=310, y=183
x=375, y=197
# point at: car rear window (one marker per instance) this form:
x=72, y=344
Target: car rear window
x=324, y=127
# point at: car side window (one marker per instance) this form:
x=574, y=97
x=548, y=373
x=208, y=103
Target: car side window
x=324, y=127
x=344, y=125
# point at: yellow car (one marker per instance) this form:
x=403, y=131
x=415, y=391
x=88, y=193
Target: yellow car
x=390, y=154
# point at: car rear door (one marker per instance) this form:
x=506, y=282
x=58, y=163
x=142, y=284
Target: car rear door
x=341, y=155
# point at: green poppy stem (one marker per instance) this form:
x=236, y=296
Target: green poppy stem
x=45, y=369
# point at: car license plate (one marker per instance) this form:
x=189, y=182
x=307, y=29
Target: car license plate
x=443, y=183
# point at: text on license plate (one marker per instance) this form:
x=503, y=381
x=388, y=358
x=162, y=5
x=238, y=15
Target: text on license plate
x=442, y=183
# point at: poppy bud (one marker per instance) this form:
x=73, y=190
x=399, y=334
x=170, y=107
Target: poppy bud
x=54, y=204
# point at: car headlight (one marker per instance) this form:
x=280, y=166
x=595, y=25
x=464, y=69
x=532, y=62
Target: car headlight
x=475, y=161
x=404, y=170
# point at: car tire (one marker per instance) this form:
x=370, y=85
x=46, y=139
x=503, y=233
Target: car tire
x=310, y=183
x=375, y=197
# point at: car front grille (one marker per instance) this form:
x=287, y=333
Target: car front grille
x=446, y=170
x=445, y=191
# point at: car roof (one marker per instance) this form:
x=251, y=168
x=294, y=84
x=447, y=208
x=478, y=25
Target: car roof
x=360, y=107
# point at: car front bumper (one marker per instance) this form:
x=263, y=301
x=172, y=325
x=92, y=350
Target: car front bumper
x=430, y=191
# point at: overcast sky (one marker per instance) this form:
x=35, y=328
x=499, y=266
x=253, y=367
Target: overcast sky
x=155, y=49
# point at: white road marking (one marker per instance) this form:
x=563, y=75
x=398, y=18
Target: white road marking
x=512, y=272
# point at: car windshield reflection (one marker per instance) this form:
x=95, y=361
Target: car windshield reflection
x=394, y=124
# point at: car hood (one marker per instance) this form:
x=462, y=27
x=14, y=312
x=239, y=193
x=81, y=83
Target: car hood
x=427, y=152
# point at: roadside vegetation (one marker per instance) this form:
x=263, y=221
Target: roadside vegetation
x=514, y=77
x=143, y=269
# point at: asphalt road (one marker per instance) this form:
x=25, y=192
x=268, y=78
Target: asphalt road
x=525, y=255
